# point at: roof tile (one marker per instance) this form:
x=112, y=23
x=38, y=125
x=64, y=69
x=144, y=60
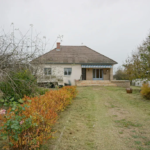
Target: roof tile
x=74, y=54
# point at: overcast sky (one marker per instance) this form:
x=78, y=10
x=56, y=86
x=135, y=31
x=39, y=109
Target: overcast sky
x=112, y=27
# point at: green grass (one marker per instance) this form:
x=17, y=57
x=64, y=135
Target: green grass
x=147, y=143
x=137, y=142
x=127, y=124
x=121, y=132
x=135, y=136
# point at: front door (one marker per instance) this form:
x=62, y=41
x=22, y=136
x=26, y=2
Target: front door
x=97, y=74
x=83, y=73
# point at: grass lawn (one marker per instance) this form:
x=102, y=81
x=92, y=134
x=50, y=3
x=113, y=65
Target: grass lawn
x=103, y=118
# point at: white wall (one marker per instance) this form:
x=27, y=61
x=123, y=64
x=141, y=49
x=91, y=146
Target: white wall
x=58, y=71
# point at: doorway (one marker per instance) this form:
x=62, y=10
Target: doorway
x=83, y=73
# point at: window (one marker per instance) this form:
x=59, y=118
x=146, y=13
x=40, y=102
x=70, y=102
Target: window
x=67, y=71
x=98, y=73
x=47, y=71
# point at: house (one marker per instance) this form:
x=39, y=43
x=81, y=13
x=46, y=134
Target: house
x=68, y=64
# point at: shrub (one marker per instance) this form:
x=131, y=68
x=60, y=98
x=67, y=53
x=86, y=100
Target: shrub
x=72, y=90
x=42, y=91
x=145, y=91
x=18, y=84
x=28, y=125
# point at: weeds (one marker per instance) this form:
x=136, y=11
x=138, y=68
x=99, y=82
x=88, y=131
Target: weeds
x=127, y=124
x=137, y=142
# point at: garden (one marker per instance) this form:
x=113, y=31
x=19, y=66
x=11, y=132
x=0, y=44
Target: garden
x=28, y=112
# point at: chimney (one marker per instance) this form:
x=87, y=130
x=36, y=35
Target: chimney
x=58, y=46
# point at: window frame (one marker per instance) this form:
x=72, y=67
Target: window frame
x=48, y=71
x=67, y=69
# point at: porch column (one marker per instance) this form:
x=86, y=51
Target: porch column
x=111, y=73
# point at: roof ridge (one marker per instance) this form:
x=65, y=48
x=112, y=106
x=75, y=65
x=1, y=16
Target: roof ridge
x=73, y=45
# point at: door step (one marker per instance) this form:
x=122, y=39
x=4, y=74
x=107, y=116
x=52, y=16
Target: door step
x=95, y=83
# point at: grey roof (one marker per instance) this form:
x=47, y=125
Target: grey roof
x=74, y=54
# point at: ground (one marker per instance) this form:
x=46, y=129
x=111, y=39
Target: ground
x=103, y=118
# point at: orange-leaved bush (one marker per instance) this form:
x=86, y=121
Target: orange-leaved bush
x=145, y=91
x=35, y=118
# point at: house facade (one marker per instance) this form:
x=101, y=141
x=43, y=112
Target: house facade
x=68, y=64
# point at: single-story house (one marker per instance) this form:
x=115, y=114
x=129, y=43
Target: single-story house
x=68, y=64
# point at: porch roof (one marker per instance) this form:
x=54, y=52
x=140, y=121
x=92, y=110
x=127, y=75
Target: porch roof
x=96, y=66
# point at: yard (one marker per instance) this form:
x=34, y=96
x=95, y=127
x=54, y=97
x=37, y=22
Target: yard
x=103, y=118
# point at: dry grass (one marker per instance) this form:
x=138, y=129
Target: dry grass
x=103, y=118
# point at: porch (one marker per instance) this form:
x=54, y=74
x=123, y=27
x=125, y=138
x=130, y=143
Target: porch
x=99, y=75
x=97, y=72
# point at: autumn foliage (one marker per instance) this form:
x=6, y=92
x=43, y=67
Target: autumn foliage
x=145, y=91
x=35, y=118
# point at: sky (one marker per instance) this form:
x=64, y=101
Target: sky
x=113, y=28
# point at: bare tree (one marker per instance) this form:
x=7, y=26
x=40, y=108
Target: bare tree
x=16, y=52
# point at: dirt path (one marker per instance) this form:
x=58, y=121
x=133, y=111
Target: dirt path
x=103, y=118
